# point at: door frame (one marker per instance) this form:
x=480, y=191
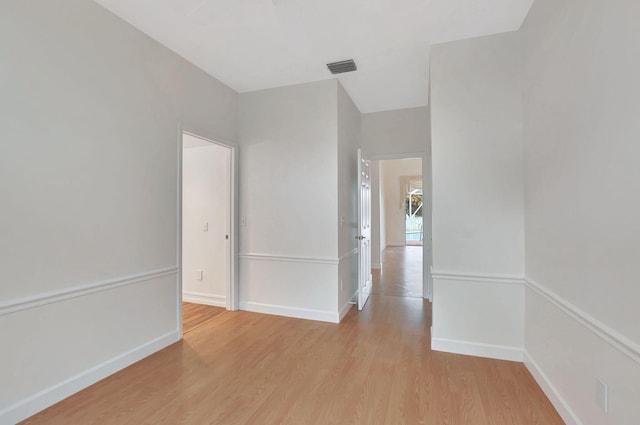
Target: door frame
x=427, y=254
x=232, y=291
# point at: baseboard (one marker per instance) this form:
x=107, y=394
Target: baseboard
x=347, y=307
x=200, y=298
x=377, y=266
x=52, y=395
x=469, y=348
x=552, y=393
x=298, y=313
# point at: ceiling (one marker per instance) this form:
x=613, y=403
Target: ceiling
x=257, y=44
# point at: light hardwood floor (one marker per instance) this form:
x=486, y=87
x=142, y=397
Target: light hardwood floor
x=196, y=315
x=374, y=368
x=402, y=272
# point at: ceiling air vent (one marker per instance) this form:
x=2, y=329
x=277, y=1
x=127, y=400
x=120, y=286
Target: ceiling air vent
x=342, y=66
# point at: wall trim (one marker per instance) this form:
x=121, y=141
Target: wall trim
x=610, y=336
x=49, y=297
x=376, y=266
x=500, y=352
x=295, y=312
x=346, y=308
x=510, y=279
x=202, y=298
x=50, y=396
x=562, y=407
x=290, y=259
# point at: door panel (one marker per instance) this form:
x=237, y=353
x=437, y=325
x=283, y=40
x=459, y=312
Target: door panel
x=364, y=231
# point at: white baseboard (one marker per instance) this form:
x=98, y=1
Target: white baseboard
x=469, y=348
x=201, y=298
x=347, y=307
x=298, y=313
x=50, y=396
x=552, y=393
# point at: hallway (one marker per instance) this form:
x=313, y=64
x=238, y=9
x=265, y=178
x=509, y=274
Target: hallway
x=401, y=273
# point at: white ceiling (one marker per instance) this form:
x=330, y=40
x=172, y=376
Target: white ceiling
x=258, y=44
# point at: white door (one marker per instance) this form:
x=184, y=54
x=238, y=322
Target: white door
x=206, y=221
x=364, y=231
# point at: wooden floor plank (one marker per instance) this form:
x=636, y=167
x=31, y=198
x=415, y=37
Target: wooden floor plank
x=194, y=315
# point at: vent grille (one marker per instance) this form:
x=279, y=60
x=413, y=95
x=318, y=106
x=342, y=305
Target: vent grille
x=342, y=66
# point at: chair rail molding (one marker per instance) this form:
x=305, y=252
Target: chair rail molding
x=512, y=279
x=290, y=259
x=620, y=342
x=49, y=297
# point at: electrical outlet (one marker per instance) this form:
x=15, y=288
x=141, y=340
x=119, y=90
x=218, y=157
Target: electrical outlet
x=205, y=226
x=602, y=395
x=199, y=274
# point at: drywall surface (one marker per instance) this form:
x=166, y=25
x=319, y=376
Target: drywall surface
x=581, y=61
x=349, y=140
x=89, y=118
x=206, y=198
x=289, y=198
x=477, y=156
x=400, y=131
x=478, y=200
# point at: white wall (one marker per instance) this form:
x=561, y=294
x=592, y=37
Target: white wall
x=478, y=217
x=581, y=61
x=206, y=198
x=349, y=140
x=289, y=200
x=401, y=131
x=89, y=118
x=394, y=206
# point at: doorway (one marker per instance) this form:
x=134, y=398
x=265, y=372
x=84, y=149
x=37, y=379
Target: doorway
x=207, y=229
x=414, y=233
x=400, y=239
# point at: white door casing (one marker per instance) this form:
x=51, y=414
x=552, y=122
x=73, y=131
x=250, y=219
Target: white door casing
x=364, y=231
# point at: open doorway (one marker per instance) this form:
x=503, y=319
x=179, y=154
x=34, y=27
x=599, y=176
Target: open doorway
x=206, y=230
x=398, y=231
x=413, y=210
